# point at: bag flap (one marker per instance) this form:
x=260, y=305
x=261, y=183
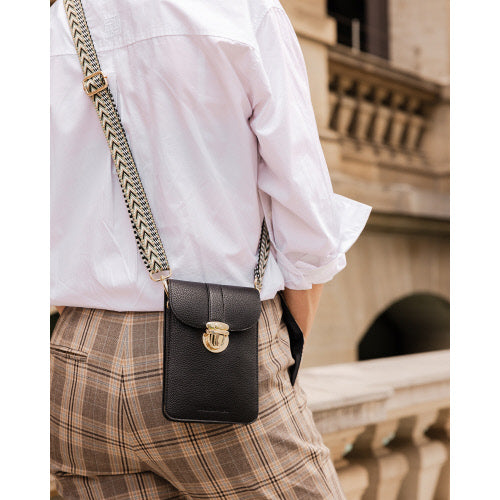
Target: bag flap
x=195, y=304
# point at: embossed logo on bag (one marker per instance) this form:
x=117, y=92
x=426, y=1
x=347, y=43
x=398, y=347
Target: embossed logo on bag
x=216, y=336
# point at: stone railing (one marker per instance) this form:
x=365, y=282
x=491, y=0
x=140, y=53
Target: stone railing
x=377, y=107
x=386, y=422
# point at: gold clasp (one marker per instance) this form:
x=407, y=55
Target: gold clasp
x=216, y=336
x=86, y=83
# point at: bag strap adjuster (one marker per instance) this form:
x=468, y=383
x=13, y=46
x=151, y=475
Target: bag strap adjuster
x=87, y=82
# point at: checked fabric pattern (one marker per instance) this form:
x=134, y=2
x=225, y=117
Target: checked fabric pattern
x=145, y=230
x=109, y=439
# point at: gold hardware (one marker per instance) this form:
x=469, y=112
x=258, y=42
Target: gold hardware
x=257, y=284
x=216, y=336
x=86, y=86
x=162, y=278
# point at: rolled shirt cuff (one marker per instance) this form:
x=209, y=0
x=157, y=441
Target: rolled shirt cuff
x=349, y=220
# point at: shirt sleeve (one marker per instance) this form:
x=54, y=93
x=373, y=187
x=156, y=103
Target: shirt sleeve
x=311, y=228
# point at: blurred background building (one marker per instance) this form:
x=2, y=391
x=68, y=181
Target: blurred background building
x=379, y=77
x=377, y=361
x=376, y=365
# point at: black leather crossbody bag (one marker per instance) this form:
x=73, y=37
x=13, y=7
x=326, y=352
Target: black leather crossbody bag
x=210, y=330
x=210, y=360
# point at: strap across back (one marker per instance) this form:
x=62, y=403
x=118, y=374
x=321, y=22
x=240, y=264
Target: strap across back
x=96, y=86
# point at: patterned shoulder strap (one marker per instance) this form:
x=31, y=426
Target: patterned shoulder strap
x=96, y=86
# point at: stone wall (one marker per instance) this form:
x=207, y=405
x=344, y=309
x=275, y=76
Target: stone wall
x=382, y=267
x=419, y=37
x=385, y=134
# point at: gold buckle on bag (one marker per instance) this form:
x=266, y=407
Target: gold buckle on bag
x=216, y=336
x=86, y=83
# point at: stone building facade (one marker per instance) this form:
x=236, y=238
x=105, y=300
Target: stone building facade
x=384, y=127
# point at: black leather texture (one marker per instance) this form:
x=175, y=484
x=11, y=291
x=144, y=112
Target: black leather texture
x=296, y=339
x=203, y=386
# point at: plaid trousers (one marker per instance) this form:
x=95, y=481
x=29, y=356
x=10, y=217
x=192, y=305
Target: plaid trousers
x=110, y=440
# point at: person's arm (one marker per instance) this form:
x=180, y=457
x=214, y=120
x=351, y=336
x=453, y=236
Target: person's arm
x=303, y=305
x=310, y=227
x=60, y=309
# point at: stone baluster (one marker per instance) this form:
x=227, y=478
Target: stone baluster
x=365, y=112
x=425, y=456
x=411, y=106
x=440, y=430
x=346, y=106
x=382, y=116
x=398, y=120
x=416, y=124
x=386, y=468
x=353, y=477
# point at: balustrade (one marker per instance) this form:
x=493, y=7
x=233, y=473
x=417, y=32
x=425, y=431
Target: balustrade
x=377, y=106
x=386, y=423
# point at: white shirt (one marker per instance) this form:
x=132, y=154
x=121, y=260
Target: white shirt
x=215, y=102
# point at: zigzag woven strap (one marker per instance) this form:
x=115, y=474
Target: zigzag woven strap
x=96, y=86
